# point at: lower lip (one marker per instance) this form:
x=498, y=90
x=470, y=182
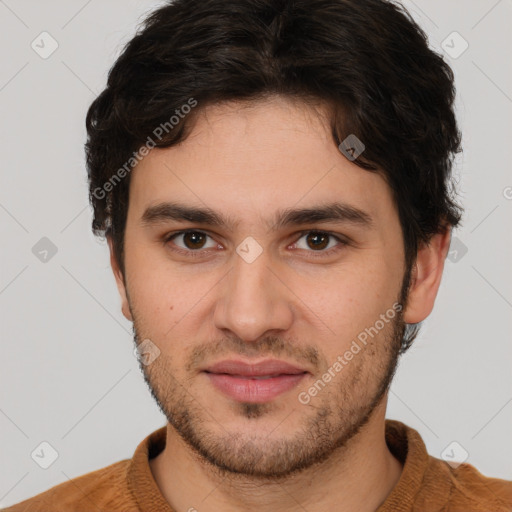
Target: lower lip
x=254, y=390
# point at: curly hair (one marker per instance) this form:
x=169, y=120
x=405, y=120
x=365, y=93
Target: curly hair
x=367, y=60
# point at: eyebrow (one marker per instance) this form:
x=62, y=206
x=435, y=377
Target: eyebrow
x=335, y=212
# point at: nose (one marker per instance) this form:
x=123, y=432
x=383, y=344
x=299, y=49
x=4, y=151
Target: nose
x=253, y=301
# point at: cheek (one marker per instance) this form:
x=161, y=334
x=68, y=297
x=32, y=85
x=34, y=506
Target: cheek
x=161, y=302
x=349, y=300
x=164, y=299
x=151, y=287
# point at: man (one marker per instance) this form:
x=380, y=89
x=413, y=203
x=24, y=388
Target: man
x=273, y=178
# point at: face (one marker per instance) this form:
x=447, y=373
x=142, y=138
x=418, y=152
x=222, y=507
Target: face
x=254, y=280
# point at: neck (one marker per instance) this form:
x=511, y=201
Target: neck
x=358, y=476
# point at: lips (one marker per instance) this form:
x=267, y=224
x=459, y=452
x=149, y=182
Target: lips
x=254, y=382
x=268, y=368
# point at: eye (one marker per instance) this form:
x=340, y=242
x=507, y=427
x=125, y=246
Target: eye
x=195, y=243
x=319, y=241
x=192, y=241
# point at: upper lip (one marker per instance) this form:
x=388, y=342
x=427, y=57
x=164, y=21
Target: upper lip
x=262, y=368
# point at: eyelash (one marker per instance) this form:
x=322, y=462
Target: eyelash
x=200, y=253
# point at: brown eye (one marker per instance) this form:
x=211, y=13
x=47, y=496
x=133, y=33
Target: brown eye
x=321, y=242
x=191, y=241
x=318, y=240
x=194, y=239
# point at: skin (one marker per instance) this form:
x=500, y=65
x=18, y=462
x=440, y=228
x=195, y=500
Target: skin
x=248, y=161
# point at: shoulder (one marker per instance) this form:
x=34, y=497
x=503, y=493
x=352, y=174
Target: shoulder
x=480, y=488
x=429, y=483
x=103, y=489
x=469, y=489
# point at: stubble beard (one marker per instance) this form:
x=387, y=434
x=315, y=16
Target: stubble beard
x=334, y=417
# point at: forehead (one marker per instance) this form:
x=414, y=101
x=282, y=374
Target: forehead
x=257, y=158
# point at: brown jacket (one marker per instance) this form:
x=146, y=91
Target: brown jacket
x=427, y=484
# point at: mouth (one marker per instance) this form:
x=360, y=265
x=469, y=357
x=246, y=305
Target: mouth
x=254, y=382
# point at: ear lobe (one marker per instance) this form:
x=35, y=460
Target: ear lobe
x=426, y=277
x=121, y=287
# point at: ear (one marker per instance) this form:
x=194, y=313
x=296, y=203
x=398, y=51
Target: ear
x=125, y=306
x=426, y=277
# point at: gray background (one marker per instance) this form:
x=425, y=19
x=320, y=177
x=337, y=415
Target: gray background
x=68, y=374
